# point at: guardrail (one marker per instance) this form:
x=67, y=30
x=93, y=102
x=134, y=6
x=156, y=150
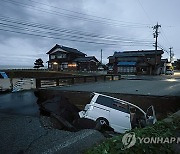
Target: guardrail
x=16, y=84
x=69, y=80
x=22, y=84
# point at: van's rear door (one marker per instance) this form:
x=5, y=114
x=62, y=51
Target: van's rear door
x=150, y=114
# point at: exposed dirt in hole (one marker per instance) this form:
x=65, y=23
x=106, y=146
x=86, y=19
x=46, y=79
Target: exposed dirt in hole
x=164, y=105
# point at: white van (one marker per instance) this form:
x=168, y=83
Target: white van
x=116, y=113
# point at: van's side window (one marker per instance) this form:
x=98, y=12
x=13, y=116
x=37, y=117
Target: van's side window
x=104, y=101
x=109, y=102
x=121, y=107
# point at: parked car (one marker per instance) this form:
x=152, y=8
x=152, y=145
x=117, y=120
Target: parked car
x=116, y=113
x=3, y=75
x=169, y=72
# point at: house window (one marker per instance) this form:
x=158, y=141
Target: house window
x=64, y=65
x=72, y=65
x=61, y=56
x=53, y=56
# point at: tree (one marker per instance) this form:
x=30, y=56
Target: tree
x=38, y=63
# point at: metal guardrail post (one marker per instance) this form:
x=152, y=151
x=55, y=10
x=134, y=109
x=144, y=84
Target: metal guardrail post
x=38, y=83
x=57, y=82
x=72, y=80
x=95, y=78
x=119, y=77
x=112, y=77
x=84, y=79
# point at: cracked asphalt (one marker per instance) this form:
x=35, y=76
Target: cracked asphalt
x=23, y=130
x=25, y=134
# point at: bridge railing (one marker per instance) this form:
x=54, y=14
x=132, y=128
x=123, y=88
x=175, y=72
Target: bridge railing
x=69, y=80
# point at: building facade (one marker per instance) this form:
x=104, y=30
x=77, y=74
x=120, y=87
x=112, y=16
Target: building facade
x=65, y=58
x=177, y=64
x=87, y=63
x=135, y=62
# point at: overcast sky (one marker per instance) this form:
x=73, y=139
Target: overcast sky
x=30, y=28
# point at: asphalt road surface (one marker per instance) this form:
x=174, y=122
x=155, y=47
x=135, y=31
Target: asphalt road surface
x=22, y=103
x=25, y=134
x=21, y=133
x=147, y=85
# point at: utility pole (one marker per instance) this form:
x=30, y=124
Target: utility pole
x=156, y=27
x=170, y=53
x=101, y=56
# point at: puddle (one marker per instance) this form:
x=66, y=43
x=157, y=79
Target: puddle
x=19, y=103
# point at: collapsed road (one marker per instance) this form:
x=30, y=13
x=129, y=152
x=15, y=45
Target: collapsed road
x=100, y=113
x=37, y=134
x=25, y=134
x=23, y=130
x=65, y=115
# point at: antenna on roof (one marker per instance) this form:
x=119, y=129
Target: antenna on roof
x=101, y=56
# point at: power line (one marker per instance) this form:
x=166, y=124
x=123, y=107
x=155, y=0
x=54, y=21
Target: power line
x=70, y=32
x=56, y=34
x=164, y=37
x=163, y=48
x=101, y=20
x=58, y=38
x=74, y=16
x=7, y=19
x=67, y=39
x=86, y=14
x=34, y=30
x=144, y=11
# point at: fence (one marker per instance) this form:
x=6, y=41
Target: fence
x=16, y=84
x=68, y=80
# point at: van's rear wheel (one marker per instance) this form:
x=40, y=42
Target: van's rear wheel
x=101, y=122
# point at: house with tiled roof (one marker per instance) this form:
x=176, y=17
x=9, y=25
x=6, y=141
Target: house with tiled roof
x=66, y=58
x=87, y=63
x=135, y=62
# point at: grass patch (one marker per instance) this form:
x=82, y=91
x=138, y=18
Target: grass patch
x=160, y=129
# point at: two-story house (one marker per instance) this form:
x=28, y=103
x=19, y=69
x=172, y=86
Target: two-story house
x=65, y=58
x=135, y=62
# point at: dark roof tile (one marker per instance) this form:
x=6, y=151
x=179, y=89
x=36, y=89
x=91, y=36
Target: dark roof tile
x=86, y=59
x=136, y=53
x=68, y=49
